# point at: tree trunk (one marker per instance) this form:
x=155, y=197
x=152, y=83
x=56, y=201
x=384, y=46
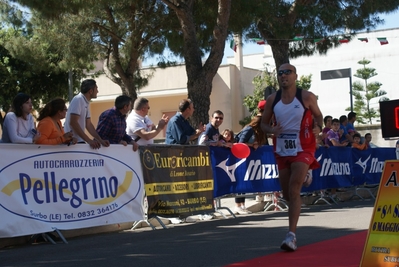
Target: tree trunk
x=200, y=77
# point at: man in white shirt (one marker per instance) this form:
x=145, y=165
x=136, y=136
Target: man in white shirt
x=139, y=125
x=78, y=116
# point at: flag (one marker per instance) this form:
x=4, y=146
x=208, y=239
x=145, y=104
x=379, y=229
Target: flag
x=259, y=41
x=363, y=39
x=233, y=45
x=343, y=40
x=298, y=38
x=318, y=41
x=383, y=40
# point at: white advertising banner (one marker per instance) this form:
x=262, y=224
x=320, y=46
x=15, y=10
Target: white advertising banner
x=67, y=187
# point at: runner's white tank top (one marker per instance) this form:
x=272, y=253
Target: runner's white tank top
x=290, y=118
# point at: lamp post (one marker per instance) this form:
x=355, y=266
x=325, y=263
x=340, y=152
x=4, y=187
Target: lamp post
x=338, y=74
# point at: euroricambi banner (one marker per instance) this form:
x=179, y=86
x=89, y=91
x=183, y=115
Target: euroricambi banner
x=382, y=243
x=67, y=187
x=178, y=180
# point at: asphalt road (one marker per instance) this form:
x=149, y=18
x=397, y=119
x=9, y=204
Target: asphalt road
x=217, y=242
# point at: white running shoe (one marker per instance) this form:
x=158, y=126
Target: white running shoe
x=289, y=243
x=241, y=211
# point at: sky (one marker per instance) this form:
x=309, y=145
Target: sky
x=391, y=21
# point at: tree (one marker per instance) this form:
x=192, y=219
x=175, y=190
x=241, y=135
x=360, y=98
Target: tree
x=118, y=32
x=305, y=27
x=365, y=92
x=261, y=82
x=203, y=28
x=27, y=64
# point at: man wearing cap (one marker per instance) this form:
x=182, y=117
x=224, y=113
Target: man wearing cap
x=261, y=106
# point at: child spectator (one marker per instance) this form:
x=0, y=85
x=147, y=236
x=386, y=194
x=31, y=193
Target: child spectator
x=227, y=138
x=333, y=135
x=356, y=142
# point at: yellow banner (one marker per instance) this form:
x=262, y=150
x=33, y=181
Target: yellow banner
x=178, y=187
x=382, y=244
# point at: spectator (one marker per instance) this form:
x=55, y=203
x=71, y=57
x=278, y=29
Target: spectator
x=317, y=131
x=227, y=138
x=351, y=132
x=356, y=142
x=50, y=127
x=367, y=140
x=333, y=135
x=327, y=126
x=252, y=133
x=253, y=136
x=179, y=131
x=343, y=132
x=351, y=121
x=261, y=106
x=140, y=127
x=18, y=126
x=112, y=123
x=333, y=140
x=211, y=134
x=78, y=116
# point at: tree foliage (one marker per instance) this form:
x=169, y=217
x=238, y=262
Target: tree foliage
x=119, y=33
x=261, y=83
x=364, y=92
x=28, y=63
x=321, y=23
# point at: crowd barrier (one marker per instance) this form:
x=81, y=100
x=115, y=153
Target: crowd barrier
x=340, y=167
x=43, y=188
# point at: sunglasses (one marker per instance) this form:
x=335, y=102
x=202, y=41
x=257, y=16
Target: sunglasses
x=286, y=72
x=219, y=118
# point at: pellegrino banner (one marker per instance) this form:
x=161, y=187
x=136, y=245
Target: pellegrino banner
x=67, y=187
x=178, y=180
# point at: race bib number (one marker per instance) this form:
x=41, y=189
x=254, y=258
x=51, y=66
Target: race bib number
x=286, y=144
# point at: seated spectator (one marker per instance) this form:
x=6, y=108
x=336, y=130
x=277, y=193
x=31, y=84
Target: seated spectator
x=18, y=126
x=50, y=127
x=227, y=138
x=356, y=142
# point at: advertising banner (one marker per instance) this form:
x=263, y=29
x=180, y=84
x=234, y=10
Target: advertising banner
x=67, y=187
x=178, y=180
x=256, y=173
x=381, y=248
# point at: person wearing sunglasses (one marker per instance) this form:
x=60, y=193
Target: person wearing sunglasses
x=293, y=111
x=211, y=135
x=139, y=125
